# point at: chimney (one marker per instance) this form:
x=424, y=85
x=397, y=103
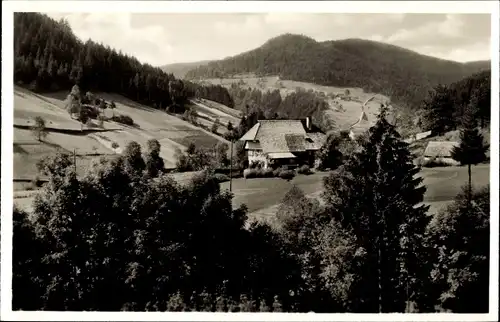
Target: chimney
x=308, y=123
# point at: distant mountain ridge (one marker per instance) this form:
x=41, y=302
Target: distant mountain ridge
x=179, y=70
x=404, y=75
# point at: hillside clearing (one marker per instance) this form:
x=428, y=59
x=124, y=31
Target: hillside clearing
x=209, y=111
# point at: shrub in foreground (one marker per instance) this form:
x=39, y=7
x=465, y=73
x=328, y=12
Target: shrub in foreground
x=287, y=174
x=268, y=173
x=433, y=163
x=304, y=170
x=140, y=262
x=249, y=173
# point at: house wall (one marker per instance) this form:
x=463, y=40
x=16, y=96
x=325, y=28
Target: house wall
x=256, y=156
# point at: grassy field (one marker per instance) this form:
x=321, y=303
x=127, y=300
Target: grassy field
x=345, y=117
x=263, y=195
x=219, y=109
x=172, y=132
x=214, y=113
x=208, y=112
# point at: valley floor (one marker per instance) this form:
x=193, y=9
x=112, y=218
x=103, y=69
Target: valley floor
x=263, y=195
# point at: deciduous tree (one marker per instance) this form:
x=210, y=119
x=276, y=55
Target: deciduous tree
x=459, y=236
x=39, y=130
x=375, y=196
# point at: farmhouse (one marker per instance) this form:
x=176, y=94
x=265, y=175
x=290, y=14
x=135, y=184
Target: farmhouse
x=440, y=151
x=274, y=143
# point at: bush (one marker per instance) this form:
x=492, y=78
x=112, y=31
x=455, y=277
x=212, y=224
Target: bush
x=249, y=173
x=433, y=163
x=91, y=111
x=114, y=145
x=268, y=173
x=304, y=170
x=123, y=119
x=256, y=164
x=36, y=182
x=221, y=177
x=287, y=174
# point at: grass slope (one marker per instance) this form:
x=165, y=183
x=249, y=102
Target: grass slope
x=170, y=131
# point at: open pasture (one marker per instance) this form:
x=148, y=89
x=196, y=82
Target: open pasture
x=170, y=131
x=262, y=195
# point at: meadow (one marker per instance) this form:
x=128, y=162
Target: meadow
x=262, y=196
x=67, y=135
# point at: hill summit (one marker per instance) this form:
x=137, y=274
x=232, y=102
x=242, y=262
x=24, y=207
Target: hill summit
x=404, y=75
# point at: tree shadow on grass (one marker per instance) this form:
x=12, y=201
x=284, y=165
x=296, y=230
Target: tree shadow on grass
x=19, y=149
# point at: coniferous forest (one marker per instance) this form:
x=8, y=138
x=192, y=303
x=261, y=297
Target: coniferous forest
x=125, y=236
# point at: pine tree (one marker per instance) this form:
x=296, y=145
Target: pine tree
x=472, y=149
x=439, y=109
x=375, y=196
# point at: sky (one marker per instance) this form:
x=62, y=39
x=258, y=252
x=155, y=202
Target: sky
x=161, y=38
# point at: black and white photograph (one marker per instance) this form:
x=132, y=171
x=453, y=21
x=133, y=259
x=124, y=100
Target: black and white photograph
x=250, y=160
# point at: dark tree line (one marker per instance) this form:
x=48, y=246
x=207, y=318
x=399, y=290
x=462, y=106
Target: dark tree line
x=446, y=105
x=403, y=75
x=127, y=237
x=49, y=57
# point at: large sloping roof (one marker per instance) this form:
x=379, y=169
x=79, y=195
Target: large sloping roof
x=282, y=136
x=316, y=140
x=251, y=134
x=266, y=128
x=283, y=143
x=441, y=149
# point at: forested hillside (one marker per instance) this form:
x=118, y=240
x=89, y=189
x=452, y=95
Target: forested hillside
x=444, y=108
x=179, y=70
x=49, y=57
x=401, y=74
